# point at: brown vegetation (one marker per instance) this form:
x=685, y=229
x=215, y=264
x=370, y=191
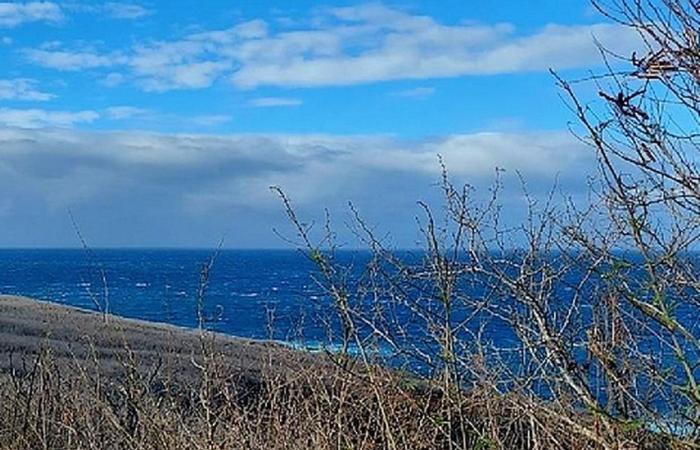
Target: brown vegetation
x=70, y=381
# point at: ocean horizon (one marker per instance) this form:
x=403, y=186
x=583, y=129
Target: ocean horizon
x=257, y=294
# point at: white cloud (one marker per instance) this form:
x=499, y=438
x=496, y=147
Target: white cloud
x=478, y=154
x=178, y=65
x=113, y=10
x=208, y=120
x=112, y=79
x=427, y=50
x=22, y=89
x=148, y=117
x=420, y=92
x=344, y=46
x=71, y=61
x=14, y=14
x=267, y=102
x=126, y=10
x=39, y=118
x=125, y=112
x=187, y=76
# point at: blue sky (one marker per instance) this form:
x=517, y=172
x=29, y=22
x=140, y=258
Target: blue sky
x=163, y=123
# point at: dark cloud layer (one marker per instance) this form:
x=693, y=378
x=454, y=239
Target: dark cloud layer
x=136, y=189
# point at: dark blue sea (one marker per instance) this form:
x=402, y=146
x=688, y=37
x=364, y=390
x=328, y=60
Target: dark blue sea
x=265, y=294
x=260, y=294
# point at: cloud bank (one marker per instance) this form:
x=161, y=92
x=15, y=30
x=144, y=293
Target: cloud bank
x=197, y=186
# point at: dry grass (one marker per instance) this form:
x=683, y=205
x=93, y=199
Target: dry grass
x=152, y=387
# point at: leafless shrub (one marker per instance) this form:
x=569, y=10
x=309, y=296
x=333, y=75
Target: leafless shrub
x=599, y=303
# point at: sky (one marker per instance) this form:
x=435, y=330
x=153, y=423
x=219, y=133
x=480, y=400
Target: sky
x=163, y=123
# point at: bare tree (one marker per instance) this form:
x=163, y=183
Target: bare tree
x=587, y=314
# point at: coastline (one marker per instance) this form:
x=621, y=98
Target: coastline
x=28, y=326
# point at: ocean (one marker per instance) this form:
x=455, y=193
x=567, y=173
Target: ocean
x=260, y=294
x=257, y=294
